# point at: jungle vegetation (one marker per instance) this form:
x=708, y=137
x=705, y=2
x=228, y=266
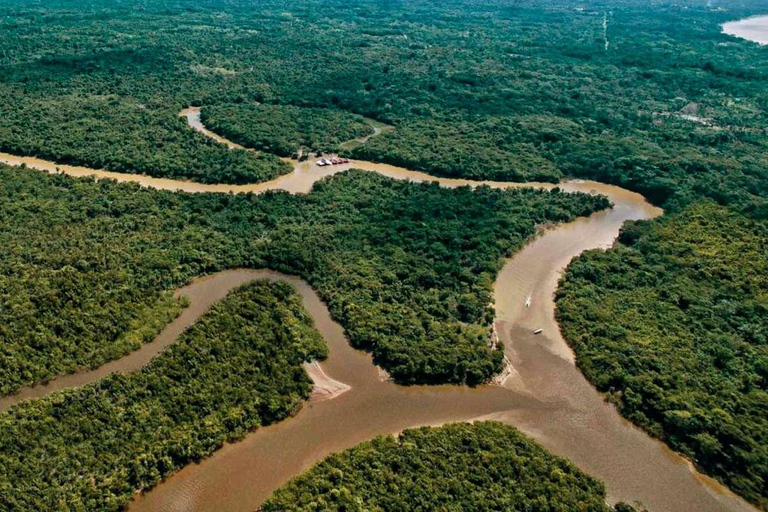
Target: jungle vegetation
x=406, y=268
x=285, y=130
x=461, y=466
x=672, y=323
x=81, y=130
x=650, y=96
x=93, y=448
x=660, y=101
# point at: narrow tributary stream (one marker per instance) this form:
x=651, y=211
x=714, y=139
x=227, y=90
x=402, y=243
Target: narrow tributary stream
x=545, y=395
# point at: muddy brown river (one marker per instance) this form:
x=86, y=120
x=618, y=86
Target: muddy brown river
x=543, y=394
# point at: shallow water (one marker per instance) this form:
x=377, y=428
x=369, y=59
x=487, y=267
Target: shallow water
x=753, y=29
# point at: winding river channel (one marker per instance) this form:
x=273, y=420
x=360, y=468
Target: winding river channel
x=543, y=394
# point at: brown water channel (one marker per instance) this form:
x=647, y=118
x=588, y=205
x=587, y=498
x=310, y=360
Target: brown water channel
x=544, y=395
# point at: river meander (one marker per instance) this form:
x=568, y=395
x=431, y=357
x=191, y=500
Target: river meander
x=545, y=395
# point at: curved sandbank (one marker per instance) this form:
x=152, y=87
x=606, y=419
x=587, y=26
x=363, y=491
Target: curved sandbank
x=753, y=29
x=543, y=394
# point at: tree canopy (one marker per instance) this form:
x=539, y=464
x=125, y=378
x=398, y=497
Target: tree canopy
x=672, y=324
x=406, y=268
x=93, y=448
x=479, y=466
x=285, y=130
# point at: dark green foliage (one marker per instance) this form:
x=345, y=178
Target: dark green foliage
x=499, y=90
x=445, y=149
x=81, y=267
x=474, y=88
x=673, y=324
x=405, y=268
x=92, y=448
x=408, y=270
x=458, y=467
x=284, y=130
x=126, y=136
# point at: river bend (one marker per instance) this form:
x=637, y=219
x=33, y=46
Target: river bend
x=543, y=394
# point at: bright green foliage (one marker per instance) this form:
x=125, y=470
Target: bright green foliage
x=673, y=324
x=283, y=130
x=405, y=268
x=458, y=467
x=237, y=368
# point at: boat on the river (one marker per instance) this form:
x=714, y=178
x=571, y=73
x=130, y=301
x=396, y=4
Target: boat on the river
x=537, y=331
x=334, y=161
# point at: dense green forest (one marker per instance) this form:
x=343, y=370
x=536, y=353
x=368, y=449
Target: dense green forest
x=92, y=448
x=648, y=95
x=660, y=101
x=479, y=466
x=285, y=130
x=672, y=324
x=406, y=268
x=81, y=130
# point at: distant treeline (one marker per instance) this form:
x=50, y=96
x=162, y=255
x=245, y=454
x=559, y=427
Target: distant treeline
x=671, y=107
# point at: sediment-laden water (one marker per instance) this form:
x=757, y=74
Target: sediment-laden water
x=543, y=394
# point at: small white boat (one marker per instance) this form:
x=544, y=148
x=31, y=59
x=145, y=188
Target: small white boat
x=528, y=302
x=537, y=331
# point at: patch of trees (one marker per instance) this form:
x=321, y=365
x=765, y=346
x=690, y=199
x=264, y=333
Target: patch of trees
x=92, y=448
x=672, y=323
x=86, y=267
x=484, y=149
x=406, y=268
x=479, y=466
x=285, y=130
x=107, y=132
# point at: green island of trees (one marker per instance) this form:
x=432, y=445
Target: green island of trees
x=406, y=268
x=93, y=448
x=283, y=129
x=672, y=323
x=461, y=466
